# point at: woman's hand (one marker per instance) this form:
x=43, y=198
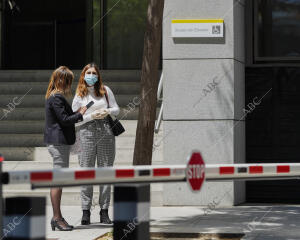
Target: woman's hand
x=82, y=110
x=100, y=114
x=104, y=112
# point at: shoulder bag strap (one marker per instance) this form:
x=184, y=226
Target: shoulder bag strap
x=106, y=98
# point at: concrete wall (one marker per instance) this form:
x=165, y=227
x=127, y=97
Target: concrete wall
x=204, y=98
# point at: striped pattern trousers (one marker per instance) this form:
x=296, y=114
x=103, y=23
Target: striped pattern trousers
x=97, y=141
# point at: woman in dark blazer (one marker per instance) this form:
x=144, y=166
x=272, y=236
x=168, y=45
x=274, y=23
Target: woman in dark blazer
x=59, y=133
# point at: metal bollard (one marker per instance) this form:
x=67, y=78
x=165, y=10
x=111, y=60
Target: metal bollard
x=1, y=197
x=25, y=218
x=131, y=211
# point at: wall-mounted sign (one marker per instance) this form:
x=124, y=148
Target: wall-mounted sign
x=197, y=28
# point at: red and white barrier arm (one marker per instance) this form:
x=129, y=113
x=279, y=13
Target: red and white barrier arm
x=156, y=173
x=90, y=176
x=218, y=172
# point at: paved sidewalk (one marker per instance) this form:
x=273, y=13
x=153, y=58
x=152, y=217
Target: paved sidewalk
x=279, y=222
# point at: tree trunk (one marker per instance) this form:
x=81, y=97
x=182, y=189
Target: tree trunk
x=149, y=84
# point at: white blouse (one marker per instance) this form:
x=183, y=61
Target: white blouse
x=99, y=103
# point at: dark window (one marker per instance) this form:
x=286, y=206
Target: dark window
x=45, y=34
x=277, y=30
x=273, y=130
x=124, y=28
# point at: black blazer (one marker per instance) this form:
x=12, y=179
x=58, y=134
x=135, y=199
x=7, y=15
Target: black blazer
x=60, y=121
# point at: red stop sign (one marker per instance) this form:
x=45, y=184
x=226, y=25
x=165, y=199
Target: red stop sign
x=195, y=171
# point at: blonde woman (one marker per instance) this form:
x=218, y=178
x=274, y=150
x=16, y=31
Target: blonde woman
x=96, y=136
x=59, y=133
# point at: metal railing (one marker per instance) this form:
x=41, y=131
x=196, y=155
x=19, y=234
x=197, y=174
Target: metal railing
x=158, y=121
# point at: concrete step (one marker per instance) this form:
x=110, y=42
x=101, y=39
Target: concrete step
x=27, y=139
x=22, y=114
x=37, y=140
x=9, y=102
x=124, y=151
x=12, y=88
x=71, y=195
x=21, y=140
x=20, y=154
x=28, y=151
x=37, y=127
x=22, y=127
x=43, y=160
x=39, y=114
x=123, y=158
x=44, y=75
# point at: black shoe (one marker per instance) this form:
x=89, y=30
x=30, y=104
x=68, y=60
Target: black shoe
x=71, y=226
x=63, y=227
x=86, y=217
x=104, y=218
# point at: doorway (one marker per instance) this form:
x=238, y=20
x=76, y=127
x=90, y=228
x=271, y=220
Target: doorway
x=44, y=34
x=47, y=34
x=272, y=72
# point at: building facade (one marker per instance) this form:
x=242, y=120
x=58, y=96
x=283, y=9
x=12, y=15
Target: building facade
x=238, y=96
x=109, y=33
x=234, y=98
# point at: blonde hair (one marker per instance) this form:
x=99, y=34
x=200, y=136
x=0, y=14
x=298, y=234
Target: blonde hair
x=60, y=81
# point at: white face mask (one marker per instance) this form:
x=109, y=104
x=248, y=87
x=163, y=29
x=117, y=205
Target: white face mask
x=91, y=79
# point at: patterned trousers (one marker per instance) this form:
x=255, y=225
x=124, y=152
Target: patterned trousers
x=97, y=140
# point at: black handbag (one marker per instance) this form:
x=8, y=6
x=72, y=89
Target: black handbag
x=115, y=125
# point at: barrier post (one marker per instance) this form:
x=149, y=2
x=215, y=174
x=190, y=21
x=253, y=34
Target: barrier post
x=1, y=198
x=131, y=211
x=25, y=218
